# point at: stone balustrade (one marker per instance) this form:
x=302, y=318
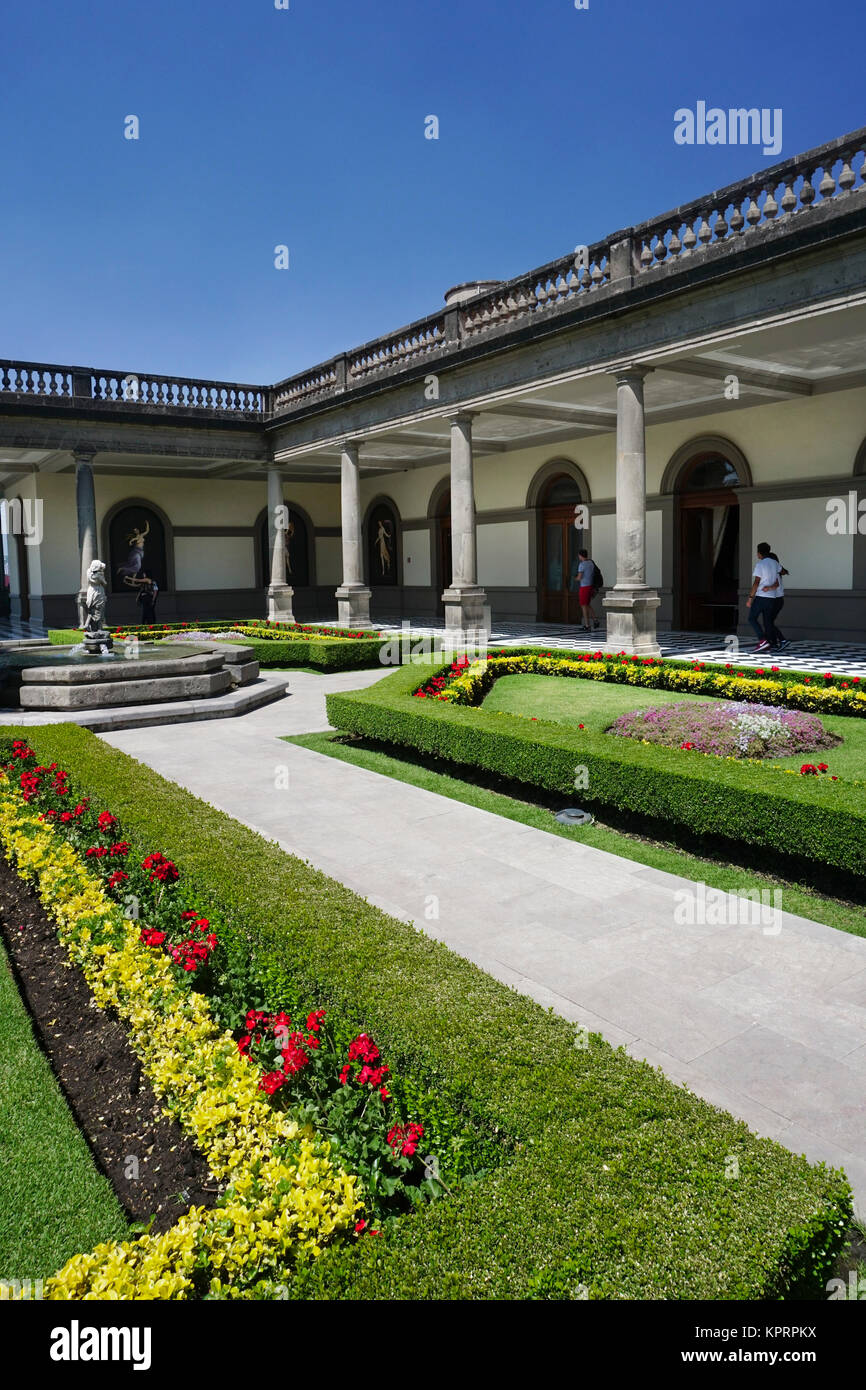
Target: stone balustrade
x=783, y=193
x=787, y=196
x=28, y=381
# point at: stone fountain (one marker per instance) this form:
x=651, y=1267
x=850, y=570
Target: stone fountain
x=104, y=684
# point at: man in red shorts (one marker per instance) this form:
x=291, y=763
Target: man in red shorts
x=585, y=579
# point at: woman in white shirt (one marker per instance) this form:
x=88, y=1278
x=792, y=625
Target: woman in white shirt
x=766, y=599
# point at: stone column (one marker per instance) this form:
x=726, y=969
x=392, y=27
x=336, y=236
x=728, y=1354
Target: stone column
x=631, y=605
x=85, y=501
x=353, y=596
x=279, y=591
x=464, y=599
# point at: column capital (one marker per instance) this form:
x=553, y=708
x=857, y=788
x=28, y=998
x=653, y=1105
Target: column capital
x=631, y=371
x=351, y=444
x=461, y=417
x=84, y=453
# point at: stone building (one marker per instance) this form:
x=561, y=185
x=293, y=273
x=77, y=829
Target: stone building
x=666, y=397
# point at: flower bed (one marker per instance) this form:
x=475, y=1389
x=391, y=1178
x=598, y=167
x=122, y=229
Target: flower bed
x=286, y=1191
x=735, y=730
x=611, y=1177
x=802, y=820
x=467, y=684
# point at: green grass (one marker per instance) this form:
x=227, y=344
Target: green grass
x=805, y=828
x=611, y=1176
x=55, y=1201
x=596, y=705
x=730, y=878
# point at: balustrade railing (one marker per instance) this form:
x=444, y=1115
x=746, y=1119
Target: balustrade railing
x=78, y=384
x=786, y=195
x=779, y=196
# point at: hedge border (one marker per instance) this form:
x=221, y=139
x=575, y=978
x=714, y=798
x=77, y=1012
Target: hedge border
x=796, y=817
x=324, y=654
x=617, y=1181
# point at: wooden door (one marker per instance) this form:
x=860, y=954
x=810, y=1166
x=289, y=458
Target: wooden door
x=559, y=561
x=446, y=572
x=709, y=560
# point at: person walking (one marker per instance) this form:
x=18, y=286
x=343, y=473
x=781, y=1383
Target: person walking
x=766, y=598
x=586, y=588
x=778, y=641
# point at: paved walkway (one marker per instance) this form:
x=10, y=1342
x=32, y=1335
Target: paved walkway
x=770, y=1026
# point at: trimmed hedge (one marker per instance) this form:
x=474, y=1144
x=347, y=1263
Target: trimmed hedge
x=802, y=817
x=322, y=653
x=612, y=1178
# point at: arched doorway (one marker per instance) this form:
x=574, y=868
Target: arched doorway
x=708, y=523
x=560, y=542
x=297, y=551
x=445, y=568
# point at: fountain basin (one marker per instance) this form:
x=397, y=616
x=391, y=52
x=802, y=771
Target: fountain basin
x=70, y=678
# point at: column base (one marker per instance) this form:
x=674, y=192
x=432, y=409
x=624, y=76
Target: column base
x=466, y=609
x=353, y=605
x=631, y=621
x=280, y=604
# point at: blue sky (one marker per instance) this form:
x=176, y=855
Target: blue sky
x=305, y=127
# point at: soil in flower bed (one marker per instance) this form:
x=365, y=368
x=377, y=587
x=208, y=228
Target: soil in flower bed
x=153, y=1167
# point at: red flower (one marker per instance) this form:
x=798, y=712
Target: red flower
x=105, y=820
x=151, y=937
x=117, y=877
x=405, y=1139
x=687, y=745
x=363, y=1047
x=271, y=1081
x=121, y=848
x=96, y=852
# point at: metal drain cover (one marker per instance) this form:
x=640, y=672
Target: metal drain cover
x=574, y=816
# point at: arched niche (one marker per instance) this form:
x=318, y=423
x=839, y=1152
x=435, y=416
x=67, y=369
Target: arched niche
x=300, y=548
x=122, y=524
x=382, y=543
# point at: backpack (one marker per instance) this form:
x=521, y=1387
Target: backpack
x=597, y=578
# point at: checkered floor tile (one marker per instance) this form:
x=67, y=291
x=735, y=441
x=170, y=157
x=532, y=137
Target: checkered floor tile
x=842, y=658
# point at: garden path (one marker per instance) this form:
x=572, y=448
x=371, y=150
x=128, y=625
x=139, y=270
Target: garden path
x=768, y=1024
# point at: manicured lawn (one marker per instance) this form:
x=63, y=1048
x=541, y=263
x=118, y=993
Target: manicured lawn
x=55, y=1202
x=596, y=705
x=730, y=878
